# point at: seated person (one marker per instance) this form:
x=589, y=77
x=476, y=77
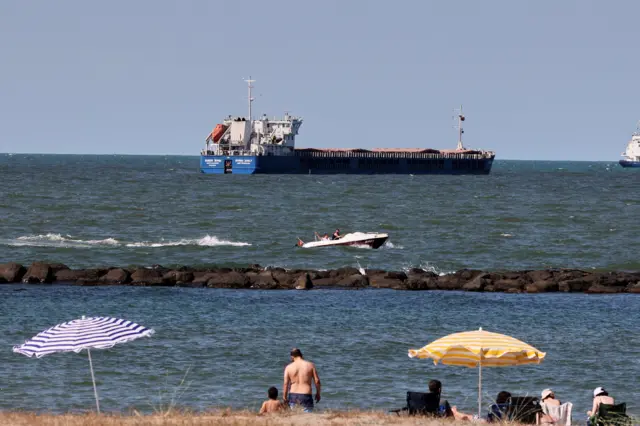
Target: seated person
x=497, y=410
x=272, y=404
x=444, y=410
x=600, y=396
x=548, y=398
x=325, y=236
x=336, y=235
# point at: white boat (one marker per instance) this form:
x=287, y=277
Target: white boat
x=370, y=239
x=631, y=156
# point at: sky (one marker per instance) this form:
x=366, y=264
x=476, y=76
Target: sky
x=538, y=80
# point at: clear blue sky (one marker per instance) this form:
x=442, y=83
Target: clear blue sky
x=546, y=79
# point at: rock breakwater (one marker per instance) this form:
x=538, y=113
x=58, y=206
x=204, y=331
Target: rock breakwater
x=257, y=277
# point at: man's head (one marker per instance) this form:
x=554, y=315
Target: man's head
x=435, y=386
x=296, y=353
x=273, y=393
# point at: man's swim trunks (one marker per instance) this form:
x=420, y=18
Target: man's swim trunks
x=305, y=400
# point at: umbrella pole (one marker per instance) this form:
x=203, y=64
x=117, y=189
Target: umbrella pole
x=93, y=378
x=480, y=388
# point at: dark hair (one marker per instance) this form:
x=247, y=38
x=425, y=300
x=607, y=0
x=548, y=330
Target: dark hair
x=273, y=393
x=503, y=397
x=295, y=352
x=435, y=386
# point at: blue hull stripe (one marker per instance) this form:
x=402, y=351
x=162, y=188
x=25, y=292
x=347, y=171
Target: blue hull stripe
x=248, y=165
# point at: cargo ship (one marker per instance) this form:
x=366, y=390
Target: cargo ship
x=243, y=145
x=631, y=156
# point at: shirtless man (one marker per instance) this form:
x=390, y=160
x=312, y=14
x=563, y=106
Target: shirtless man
x=297, y=382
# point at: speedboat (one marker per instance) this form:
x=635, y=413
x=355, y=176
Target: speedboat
x=363, y=239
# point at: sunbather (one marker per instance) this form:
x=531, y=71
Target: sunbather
x=600, y=396
x=549, y=398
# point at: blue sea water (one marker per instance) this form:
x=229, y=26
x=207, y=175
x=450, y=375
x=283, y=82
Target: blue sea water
x=230, y=346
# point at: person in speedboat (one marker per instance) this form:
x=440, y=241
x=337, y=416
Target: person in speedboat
x=336, y=235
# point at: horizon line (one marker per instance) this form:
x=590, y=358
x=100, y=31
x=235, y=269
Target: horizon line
x=198, y=155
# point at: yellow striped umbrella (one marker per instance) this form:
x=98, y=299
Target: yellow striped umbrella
x=479, y=348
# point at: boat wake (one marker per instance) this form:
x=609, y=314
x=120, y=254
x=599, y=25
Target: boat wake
x=389, y=245
x=208, y=241
x=67, y=241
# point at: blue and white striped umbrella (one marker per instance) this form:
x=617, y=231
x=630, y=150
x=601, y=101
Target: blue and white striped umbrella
x=84, y=333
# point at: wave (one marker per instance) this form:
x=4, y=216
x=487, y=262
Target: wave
x=428, y=267
x=67, y=241
x=57, y=240
x=389, y=244
x=208, y=241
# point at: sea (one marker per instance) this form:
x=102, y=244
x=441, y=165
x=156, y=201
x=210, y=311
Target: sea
x=218, y=348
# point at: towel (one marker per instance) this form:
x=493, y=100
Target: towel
x=561, y=414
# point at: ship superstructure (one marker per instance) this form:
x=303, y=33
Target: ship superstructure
x=242, y=145
x=631, y=156
x=263, y=136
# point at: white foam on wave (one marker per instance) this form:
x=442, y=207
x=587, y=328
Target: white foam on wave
x=506, y=235
x=389, y=244
x=59, y=240
x=428, y=267
x=208, y=241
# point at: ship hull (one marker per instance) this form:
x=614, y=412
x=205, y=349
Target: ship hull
x=294, y=164
x=629, y=163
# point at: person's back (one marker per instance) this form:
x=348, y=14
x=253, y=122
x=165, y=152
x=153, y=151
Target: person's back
x=272, y=404
x=298, y=378
x=600, y=396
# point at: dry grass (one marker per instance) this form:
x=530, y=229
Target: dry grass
x=221, y=417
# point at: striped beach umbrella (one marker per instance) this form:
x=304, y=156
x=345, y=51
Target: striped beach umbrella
x=479, y=349
x=84, y=333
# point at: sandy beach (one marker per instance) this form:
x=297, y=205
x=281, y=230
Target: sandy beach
x=222, y=417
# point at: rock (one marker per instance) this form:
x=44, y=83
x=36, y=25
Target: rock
x=70, y=275
x=634, y=288
x=287, y=279
x=203, y=278
x=304, y=282
x=421, y=281
x=508, y=285
x=116, y=276
x=531, y=288
x=577, y=284
x=343, y=272
x=354, y=281
x=382, y=279
x=600, y=289
x=458, y=279
x=545, y=286
x=263, y=280
x=183, y=277
x=478, y=283
x=542, y=275
x=12, y=272
x=144, y=276
x=38, y=272
x=56, y=267
x=231, y=279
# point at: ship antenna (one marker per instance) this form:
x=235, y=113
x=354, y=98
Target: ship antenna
x=460, y=131
x=249, y=81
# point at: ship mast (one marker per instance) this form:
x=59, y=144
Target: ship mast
x=460, y=131
x=249, y=81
